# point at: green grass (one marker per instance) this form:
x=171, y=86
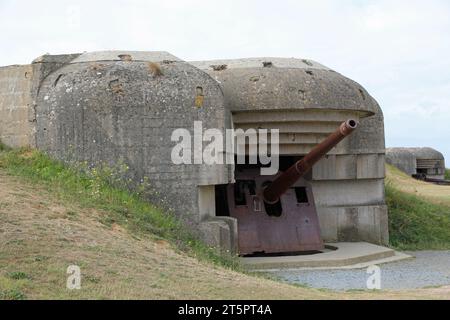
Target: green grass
x=416, y=224
x=93, y=189
x=447, y=174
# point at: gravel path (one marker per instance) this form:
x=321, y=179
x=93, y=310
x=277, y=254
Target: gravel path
x=428, y=269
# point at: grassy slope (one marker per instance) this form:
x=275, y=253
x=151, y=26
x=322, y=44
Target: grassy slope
x=51, y=217
x=419, y=212
x=433, y=193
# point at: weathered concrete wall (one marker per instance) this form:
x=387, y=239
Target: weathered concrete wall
x=264, y=84
x=402, y=159
x=355, y=223
x=19, y=86
x=16, y=122
x=352, y=210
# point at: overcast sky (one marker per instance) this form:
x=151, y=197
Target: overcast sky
x=398, y=50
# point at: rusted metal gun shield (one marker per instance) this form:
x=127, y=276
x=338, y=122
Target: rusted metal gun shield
x=297, y=229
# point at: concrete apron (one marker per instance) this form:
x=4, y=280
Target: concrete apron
x=341, y=255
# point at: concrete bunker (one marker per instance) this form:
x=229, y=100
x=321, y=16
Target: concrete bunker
x=421, y=163
x=122, y=107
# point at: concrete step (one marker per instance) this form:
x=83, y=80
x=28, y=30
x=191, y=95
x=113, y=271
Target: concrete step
x=337, y=255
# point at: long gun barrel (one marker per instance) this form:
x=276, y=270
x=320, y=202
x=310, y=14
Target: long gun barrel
x=280, y=185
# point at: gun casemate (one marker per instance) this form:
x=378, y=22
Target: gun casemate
x=277, y=214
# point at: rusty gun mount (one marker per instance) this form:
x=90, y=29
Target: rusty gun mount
x=277, y=214
x=273, y=192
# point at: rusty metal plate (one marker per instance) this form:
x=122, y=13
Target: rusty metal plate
x=296, y=228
